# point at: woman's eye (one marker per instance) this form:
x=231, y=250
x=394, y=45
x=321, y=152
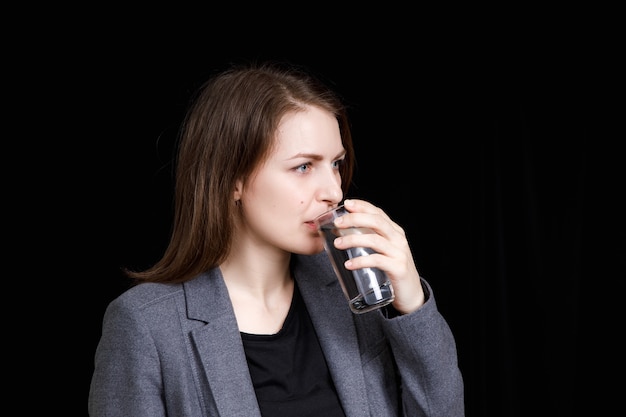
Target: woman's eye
x=303, y=167
x=338, y=163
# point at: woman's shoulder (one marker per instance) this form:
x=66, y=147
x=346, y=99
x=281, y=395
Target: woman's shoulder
x=159, y=296
x=145, y=294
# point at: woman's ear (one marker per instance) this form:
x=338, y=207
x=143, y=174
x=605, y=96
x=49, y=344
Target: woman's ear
x=238, y=190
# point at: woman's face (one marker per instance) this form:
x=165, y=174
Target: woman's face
x=299, y=180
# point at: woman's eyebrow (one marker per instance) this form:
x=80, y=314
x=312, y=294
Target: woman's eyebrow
x=314, y=156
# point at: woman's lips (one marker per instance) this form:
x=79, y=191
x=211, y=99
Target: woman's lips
x=311, y=225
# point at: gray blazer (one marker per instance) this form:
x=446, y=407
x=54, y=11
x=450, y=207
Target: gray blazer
x=175, y=350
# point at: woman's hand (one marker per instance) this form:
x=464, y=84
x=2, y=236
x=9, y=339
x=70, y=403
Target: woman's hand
x=393, y=253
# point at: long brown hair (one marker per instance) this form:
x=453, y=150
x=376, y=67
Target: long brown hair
x=227, y=132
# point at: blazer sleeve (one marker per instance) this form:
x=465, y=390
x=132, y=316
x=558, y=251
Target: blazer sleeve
x=425, y=352
x=126, y=379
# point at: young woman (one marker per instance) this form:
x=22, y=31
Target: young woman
x=243, y=315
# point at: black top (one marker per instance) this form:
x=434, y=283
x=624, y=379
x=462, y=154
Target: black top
x=288, y=369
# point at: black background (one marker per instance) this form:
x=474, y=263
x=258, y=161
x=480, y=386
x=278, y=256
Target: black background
x=497, y=149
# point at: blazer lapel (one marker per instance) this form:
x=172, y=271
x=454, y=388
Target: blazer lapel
x=219, y=346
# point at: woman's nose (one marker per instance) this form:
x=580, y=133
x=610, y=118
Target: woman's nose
x=331, y=189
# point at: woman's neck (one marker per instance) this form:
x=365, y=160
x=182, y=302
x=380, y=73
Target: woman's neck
x=260, y=289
